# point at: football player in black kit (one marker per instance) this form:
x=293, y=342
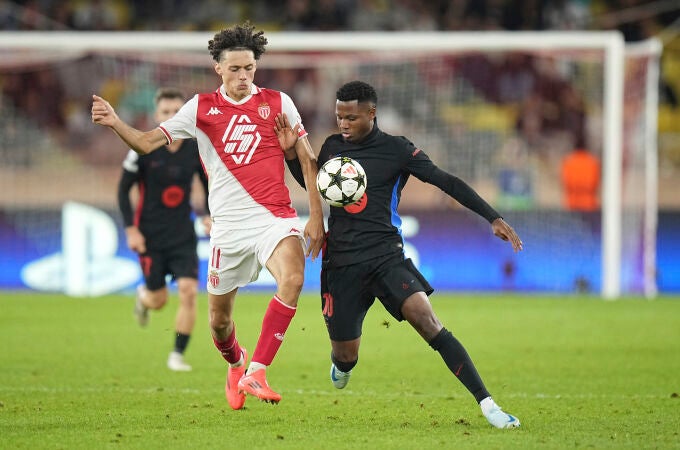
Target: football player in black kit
x=364, y=255
x=161, y=230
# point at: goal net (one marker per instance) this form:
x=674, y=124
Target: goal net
x=500, y=110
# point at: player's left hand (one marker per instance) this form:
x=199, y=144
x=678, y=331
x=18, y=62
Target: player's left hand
x=504, y=231
x=315, y=234
x=288, y=136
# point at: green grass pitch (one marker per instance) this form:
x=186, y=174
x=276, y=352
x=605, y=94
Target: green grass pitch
x=578, y=372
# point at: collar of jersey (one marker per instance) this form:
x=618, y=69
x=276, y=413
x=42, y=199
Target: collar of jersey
x=253, y=91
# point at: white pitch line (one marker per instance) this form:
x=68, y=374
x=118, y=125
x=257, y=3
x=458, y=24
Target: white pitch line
x=372, y=394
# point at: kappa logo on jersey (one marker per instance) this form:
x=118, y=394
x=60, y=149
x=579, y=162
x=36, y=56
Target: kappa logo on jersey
x=264, y=110
x=213, y=111
x=241, y=139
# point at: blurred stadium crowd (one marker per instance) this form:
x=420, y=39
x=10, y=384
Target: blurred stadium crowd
x=544, y=101
x=637, y=19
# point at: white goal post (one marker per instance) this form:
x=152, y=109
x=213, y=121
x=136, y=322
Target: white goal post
x=610, y=44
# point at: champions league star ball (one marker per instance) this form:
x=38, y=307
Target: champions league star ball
x=341, y=181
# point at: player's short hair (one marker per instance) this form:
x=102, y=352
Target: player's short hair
x=238, y=37
x=357, y=90
x=169, y=93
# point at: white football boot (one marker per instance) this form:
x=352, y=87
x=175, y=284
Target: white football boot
x=496, y=416
x=176, y=363
x=339, y=379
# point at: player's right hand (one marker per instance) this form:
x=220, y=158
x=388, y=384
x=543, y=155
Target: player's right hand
x=102, y=112
x=287, y=135
x=315, y=235
x=135, y=240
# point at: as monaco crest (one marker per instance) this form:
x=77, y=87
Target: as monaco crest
x=263, y=110
x=214, y=278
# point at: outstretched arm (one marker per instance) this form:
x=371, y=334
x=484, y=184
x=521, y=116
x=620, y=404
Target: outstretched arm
x=468, y=197
x=139, y=141
x=288, y=139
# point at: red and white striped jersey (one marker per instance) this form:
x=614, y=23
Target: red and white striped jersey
x=240, y=153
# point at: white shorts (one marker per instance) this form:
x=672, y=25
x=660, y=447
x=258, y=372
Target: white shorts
x=238, y=256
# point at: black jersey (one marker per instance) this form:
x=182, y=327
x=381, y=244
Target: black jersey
x=164, y=178
x=372, y=227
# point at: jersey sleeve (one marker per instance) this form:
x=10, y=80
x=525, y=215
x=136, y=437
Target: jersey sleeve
x=204, y=182
x=128, y=178
x=422, y=167
x=296, y=171
x=183, y=124
x=131, y=162
x=288, y=107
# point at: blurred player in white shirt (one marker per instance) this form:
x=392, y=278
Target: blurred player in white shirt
x=243, y=134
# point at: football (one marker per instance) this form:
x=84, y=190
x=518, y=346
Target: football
x=341, y=181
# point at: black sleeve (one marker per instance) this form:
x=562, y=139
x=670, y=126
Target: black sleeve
x=204, y=183
x=463, y=193
x=296, y=170
x=420, y=165
x=127, y=180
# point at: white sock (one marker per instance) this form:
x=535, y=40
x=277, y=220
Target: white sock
x=238, y=363
x=254, y=367
x=487, y=405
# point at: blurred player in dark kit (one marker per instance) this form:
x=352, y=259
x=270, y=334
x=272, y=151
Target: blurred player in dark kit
x=161, y=229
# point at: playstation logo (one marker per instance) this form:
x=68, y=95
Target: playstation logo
x=87, y=265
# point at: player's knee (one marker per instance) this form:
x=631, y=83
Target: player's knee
x=161, y=302
x=292, y=282
x=157, y=299
x=427, y=325
x=188, y=293
x=220, y=321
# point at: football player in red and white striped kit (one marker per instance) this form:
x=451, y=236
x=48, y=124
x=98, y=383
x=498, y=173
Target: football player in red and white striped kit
x=244, y=133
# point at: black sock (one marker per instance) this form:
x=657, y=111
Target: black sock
x=343, y=366
x=181, y=342
x=459, y=363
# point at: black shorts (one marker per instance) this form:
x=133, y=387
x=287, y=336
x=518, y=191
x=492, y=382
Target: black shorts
x=348, y=292
x=180, y=262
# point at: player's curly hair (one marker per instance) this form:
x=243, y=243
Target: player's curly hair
x=357, y=90
x=238, y=37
